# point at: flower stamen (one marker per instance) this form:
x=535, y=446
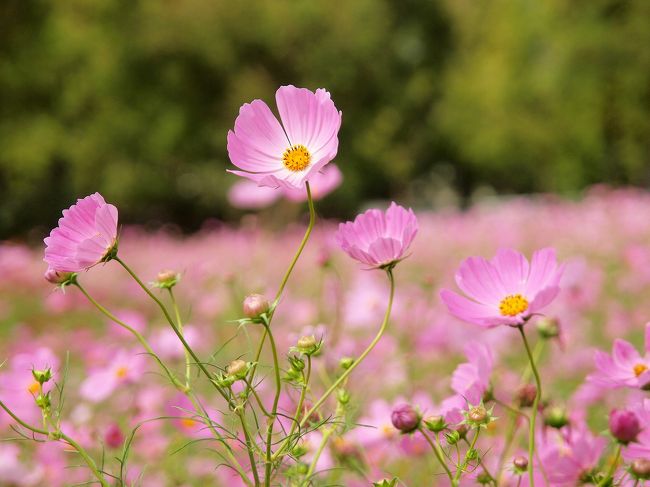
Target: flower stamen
x=513, y=304
x=640, y=369
x=296, y=158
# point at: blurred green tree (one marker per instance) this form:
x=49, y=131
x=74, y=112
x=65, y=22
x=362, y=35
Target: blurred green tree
x=134, y=98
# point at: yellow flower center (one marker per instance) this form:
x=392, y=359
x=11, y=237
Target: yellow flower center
x=640, y=369
x=296, y=158
x=34, y=388
x=188, y=423
x=513, y=305
x=121, y=372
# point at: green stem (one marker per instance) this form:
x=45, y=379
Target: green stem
x=179, y=322
x=274, y=410
x=257, y=398
x=135, y=333
x=163, y=308
x=249, y=446
x=287, y=274
x=438, y=453
x=312, y=467
x=612, y=468
x=59, y=435
x=533, y=416
x=374, y=342
x=461, y=468
x=485, y=469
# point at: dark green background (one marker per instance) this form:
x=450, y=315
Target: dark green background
x=439, y=98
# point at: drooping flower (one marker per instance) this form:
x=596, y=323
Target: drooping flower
x=285, y=155
x=86, y=235
x=379, y=239
x=506, y=290
x=625, y=367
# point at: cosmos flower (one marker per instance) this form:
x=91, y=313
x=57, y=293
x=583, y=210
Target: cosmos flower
x=379, y=239
x=625, y=367
x=285, y=155
x=86, y=235
x=506, y=290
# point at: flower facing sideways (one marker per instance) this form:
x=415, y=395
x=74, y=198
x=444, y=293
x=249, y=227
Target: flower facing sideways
x=86, y=235
x=506, y=290
x=379, y=239
x=285, y=155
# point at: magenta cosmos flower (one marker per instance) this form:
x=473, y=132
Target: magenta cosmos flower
x=625, y=367
x=506, y=290
x=285, y=155
x=86, y=235
x=379, y=239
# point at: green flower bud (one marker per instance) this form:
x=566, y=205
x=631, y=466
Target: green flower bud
x=346, y=363
x=435, y=423
x=556, y=417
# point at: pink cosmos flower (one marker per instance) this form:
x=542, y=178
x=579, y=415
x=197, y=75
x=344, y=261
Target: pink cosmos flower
x=625, y=367
x=86, y=235
x=247, y=195
x=472, y=379
x=125, y=367
x=379, y=239
x=506, y=290
x=285, y=155
x=641, y=447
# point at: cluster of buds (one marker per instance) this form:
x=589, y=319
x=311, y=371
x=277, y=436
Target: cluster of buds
x=42, y=398
x=166, y=279
x=236, y=370
x=294, y=373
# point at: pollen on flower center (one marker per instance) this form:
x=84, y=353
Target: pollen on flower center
x=640, y=369
x=296, y=158
x=121, y=372
x=188, y=423
x=513, y=305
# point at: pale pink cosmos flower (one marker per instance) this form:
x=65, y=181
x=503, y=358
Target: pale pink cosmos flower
x=86, y=234
x=379, y=239
x=247, y=195
x=625, y=367
x=290, y=154
x=506, y=290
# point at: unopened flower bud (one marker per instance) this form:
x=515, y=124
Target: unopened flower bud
x=548, y=327
x=42, y=376
x=477, y=414
x=343, y=396
x=483, y=478
x=520, y=463
x=299, y=451
x=57, y=277
x=624, y=425
x=405, y=418
x=307, y=344
x=640, y=468
x=346, y=363
x=556, y=417
x=237, y=368
x=452, y=437
x=255, y=305
x=435, y=423
x=526, y=395
x=43, y=401
x=167, y=279
x=114, y=438
x=386, y=483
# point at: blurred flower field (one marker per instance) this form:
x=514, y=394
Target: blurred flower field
x=114, y=392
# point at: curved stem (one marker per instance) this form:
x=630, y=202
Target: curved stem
x=438, y=453
x=257, y=398
x=485, y=469
x=59, y=435
x=135, y=333
x=179, y=322
x=249, y=446
x=533, y=416
x=612, y=468
x=287, y=274
x=163, y=308
x=374, y=342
